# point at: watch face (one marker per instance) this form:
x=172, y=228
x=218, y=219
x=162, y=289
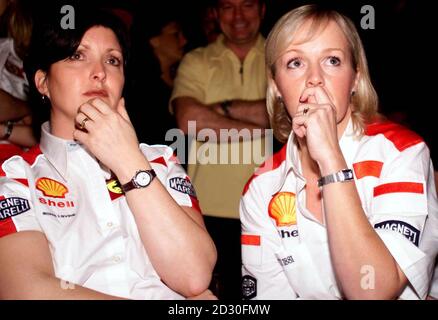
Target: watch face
x=142, y=179
x=348, y=174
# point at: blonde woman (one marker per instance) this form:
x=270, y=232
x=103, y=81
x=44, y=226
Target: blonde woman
x=339, y=212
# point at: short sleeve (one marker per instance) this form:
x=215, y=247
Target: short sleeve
x=399, y=211
x=190, y=79
x=171, y=174
x=262, y=275
x=17, y=212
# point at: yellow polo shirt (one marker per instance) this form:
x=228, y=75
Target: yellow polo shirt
x=212, y=74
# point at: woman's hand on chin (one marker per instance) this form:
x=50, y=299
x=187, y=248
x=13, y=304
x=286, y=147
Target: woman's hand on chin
x=315, y=121
x=108, y=134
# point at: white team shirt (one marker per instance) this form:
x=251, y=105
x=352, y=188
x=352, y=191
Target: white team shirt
x=13, y=79
x=285, y=250
x=61, y=190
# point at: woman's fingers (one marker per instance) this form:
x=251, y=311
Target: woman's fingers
x=86, y=113
x=96, y=110
x=81, y=121
x=101, y=106
x=315, y=95
x=299, y=125
x=121, y=109
x=80, y=135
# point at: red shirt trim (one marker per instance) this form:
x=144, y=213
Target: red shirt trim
x=269, y=165
x=396, y=187
x=400, y=136
x=367, y=169
x=250, y=240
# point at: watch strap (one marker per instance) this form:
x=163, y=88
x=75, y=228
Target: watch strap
x=340, y=176
x=225, y=105
x=9, y=125
x=133, y=185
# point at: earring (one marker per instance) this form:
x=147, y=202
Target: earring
x=44, y=99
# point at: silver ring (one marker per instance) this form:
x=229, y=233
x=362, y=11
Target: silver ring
x=82, y=125
x=305, y=110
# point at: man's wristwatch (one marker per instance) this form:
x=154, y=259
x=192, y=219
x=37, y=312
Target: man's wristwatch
x=9, y=125
x=340, y=176
x=141, y=179
x=225, y=106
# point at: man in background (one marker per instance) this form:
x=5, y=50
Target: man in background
x=223, y=86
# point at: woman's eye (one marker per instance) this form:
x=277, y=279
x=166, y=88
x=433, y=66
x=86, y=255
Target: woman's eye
x=334, y=61
x=114, y=61
x=294, y=63
x=76, y=56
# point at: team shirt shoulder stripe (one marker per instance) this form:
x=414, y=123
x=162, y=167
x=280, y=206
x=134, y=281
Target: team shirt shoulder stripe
x=8, y=150
x=7, y=226
x=397, y=187
x=400, y=136
x=31, y=155
x=195, y=204
x=269, y=165
x=28, y=156
x=159, y=160
x=250, y=239
x=22, y=181
x=369, y=168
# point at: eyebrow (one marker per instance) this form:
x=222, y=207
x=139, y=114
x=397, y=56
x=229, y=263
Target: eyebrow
x=108, y=50
x=325, y=50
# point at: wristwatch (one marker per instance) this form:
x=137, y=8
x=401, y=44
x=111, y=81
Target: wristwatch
x=9, y=125
x=141, y=179
x=340, y=176
x=225, y=106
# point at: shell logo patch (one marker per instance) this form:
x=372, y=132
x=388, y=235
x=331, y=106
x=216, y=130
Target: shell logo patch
x=51, y=188
x=282, y=209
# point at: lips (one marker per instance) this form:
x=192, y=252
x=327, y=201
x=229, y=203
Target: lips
x=96, y=93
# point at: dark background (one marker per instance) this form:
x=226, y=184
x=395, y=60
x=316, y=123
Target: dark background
x=399, y=50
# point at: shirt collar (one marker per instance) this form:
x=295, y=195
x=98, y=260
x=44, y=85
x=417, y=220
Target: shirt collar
x=221, y=48
x=58, y=151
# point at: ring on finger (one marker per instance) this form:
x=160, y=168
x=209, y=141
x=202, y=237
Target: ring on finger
x=305, y=110
x=82, y=125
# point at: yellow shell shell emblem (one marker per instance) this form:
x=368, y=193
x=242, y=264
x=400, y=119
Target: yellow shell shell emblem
x=114, y=186
x=51, y=188
x=282, y=209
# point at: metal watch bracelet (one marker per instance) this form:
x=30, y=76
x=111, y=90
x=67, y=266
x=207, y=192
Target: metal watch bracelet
x=9, y=125
x=340, y=176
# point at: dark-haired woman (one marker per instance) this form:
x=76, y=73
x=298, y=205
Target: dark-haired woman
x=90, y=209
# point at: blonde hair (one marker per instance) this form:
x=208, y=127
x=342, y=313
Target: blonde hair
x=364, y=101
